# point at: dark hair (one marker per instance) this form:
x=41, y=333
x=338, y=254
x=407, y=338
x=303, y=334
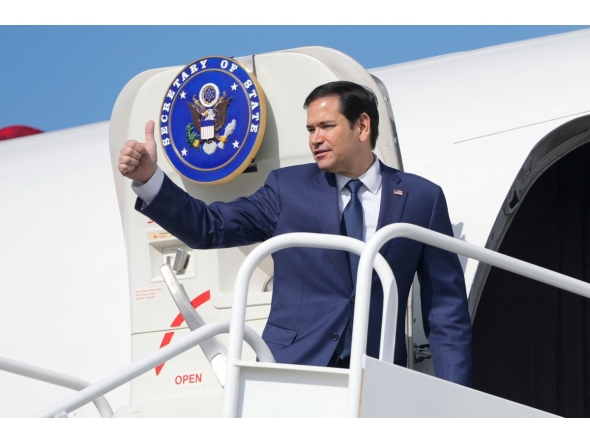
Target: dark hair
x=354, y=100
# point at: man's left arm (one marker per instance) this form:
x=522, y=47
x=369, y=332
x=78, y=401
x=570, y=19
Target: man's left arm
x=444, y=303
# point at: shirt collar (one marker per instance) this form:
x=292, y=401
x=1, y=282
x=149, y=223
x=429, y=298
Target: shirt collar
x=370, y=178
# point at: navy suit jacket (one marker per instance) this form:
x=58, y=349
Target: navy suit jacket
x=313, y=287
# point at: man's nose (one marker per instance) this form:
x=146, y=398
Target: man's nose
x=315, y=137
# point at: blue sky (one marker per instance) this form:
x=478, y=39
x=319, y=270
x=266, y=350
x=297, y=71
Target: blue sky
x=55, y=77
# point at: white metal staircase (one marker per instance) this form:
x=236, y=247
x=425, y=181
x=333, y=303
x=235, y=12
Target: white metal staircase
x=371, y=388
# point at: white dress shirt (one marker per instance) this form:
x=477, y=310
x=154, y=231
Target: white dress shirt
x=369, y=194
x=149, y=190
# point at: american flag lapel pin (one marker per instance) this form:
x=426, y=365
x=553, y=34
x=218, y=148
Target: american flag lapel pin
x=398, y=192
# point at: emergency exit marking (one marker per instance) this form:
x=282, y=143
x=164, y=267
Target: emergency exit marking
x=193, y=378
x=159, y=235
x=148, y=294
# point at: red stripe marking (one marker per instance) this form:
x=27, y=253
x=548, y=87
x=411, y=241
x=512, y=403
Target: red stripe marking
x=196, y=302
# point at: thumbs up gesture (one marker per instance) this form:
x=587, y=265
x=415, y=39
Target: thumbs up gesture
x=138, y=161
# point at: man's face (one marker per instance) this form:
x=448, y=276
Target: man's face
x=335, y=146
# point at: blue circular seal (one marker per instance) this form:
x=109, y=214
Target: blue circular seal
x=212, y=120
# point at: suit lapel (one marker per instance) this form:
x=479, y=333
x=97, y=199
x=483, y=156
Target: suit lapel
x=393, y=199
x=325, y=199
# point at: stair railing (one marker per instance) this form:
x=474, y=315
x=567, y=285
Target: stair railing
x=105, y=385
x=393, y=231
x=55, y=378
x=310, y=240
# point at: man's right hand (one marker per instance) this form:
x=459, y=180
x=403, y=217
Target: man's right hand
x=138, y=161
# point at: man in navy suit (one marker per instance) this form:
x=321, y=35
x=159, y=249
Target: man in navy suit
x=313, y=296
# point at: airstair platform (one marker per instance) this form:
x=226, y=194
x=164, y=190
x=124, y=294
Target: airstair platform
x=370, y=388
x=388, y=391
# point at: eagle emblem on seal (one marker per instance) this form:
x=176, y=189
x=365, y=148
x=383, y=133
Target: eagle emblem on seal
x=209, y=113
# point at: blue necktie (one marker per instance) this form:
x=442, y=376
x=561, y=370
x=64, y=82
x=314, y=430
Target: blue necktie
x=352, y=226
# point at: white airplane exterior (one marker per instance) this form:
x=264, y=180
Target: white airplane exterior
x=80, y=285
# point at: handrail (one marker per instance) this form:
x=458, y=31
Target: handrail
x=55, y=378
x=313, y=240
x=361, y=309
x=126, y=374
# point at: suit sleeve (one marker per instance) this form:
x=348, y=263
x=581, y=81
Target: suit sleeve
x=444, y=303
x=246, y=220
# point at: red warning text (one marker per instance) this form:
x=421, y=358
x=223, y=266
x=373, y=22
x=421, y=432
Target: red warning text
x=194, y=378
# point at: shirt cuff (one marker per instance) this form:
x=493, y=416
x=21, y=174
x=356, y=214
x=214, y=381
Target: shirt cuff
x=149, y=190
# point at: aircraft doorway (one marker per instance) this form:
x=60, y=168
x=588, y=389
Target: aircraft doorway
x=532, y=341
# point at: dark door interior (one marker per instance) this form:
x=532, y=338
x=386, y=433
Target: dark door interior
x=532, y=341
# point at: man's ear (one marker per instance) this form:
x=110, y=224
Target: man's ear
x=364, y=127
